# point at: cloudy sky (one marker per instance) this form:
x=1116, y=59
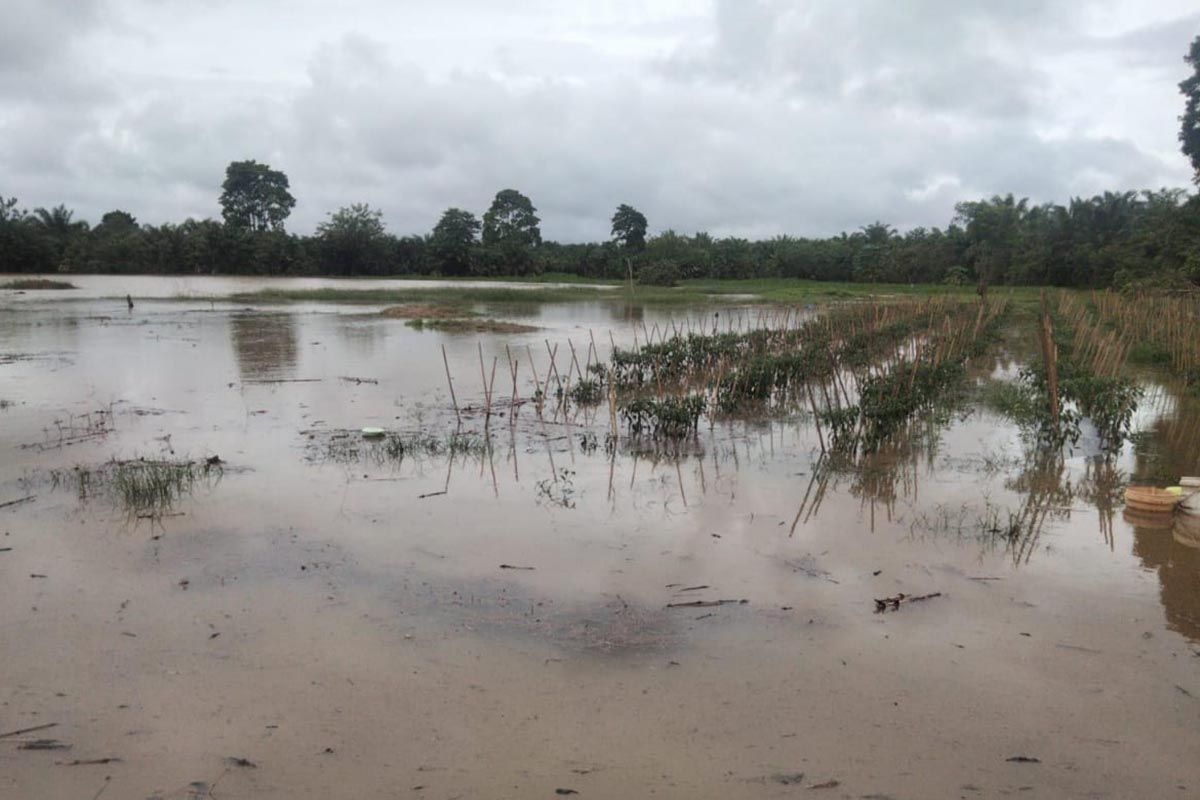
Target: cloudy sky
x=744, y=117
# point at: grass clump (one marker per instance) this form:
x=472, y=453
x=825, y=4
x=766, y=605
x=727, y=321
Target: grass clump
x=470, y=325
x=30, y=284
x=586, y=392
x=140, y=486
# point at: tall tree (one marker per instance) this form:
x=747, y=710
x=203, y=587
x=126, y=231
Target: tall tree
x=453, y=241
x=1189, y=123
x=512, y=220
x=629, y=228
x=353, y=241
x=510, y=234
x=255, y=197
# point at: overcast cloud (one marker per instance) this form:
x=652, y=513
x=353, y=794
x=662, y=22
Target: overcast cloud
x=744, y=117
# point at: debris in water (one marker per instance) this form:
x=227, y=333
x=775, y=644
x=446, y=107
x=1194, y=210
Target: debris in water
x=237, y=761
x=565, y=791
x=19, y=731
x=1024, y=760
x=826, y=785
x=18, y=501
x=707, y=603
x=44, y=744
x=893, y=603
x=511, y=566
x=788, y=778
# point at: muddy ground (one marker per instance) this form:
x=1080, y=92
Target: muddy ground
x=316, y=617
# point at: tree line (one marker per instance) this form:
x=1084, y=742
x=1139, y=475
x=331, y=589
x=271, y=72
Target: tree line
x=1147, y=238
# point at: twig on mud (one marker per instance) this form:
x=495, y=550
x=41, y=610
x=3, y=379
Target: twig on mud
x=18, y=501
x=44, y=744
x=28, y=730
x=510, y=566
x=706, y=603
x=87, y=762
x=352, y=379
x=893, y=603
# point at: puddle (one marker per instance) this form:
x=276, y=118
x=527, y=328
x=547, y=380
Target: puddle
x=507, y=604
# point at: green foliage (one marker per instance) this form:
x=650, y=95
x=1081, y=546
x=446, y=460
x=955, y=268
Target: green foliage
x=1189, y=123
x=1108, y=402
x=510, y=234
x=888, y=400
x=255, y=197
x=957, y=275
x=665, y=418
x=659, y=273
x=353, y=241
x=586, y=391
x=453, y=242
x=629, y=228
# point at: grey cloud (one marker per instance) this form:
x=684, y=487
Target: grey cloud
x=766, y=120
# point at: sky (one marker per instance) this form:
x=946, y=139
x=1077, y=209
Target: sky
x=738, y=117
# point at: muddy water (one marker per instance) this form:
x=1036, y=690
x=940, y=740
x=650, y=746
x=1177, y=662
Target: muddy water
x=343, y=620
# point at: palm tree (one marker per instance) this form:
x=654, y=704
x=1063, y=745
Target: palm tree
x=57, y=227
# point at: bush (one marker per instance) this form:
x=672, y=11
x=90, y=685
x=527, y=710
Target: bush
x=660, y=273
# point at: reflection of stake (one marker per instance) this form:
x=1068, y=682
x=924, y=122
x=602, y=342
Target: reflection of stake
x=816, y=471
x=537, y=382
x=453, y=399
x=487, y=393
x=816, y=417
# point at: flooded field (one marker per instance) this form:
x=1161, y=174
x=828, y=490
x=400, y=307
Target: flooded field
x=566, y=580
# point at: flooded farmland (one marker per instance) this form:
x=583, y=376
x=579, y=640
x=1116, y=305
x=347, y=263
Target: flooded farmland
x=217, y=587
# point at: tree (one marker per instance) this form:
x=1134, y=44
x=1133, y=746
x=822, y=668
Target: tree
x=117, y=245
x=22, y=247
x=629, y=228
x=61, y=232
x=512, y=220
x=354, y=242
x=118, y=222
x=1189, y=127
x=992, y=230
x=453, y=241
x=255, y=197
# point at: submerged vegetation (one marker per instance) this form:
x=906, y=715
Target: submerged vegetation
x=140, y=486
x=392, y=448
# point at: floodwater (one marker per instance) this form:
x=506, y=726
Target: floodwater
x=90, y=287
x=497, y=623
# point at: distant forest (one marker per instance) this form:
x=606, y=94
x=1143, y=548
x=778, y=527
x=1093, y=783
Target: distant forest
x=1125, y=239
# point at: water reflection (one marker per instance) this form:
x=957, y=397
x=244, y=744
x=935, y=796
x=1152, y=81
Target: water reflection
x=1172, y=550
x=363, y=337
x=265, y=345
